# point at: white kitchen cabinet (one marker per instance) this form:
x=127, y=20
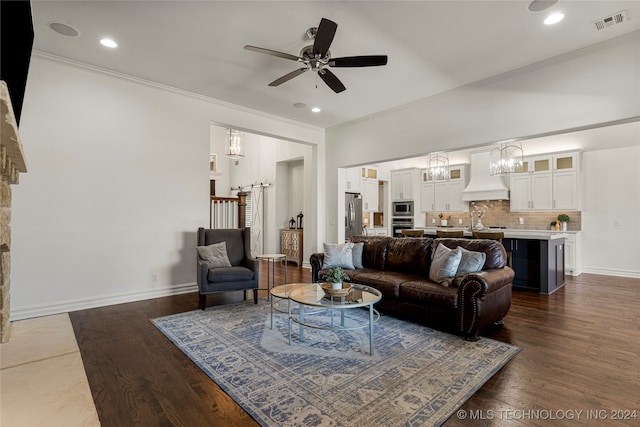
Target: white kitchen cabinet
x=377, y=231
x=565, y=190
x=446, y=195
x=546, y=183
x=404, y=184
x=573, y=253
x=427, y=197
x=370, y=195
x=565, y=181
x=532, y=189
x=353, y=180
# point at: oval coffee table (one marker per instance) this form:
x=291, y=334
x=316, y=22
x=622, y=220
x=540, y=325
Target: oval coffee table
x=312, y=296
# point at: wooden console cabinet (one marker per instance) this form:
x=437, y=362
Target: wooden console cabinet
x=292, y=245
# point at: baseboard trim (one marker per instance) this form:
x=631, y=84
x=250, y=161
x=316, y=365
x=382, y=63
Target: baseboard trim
x=634, y=274
x=83, y=304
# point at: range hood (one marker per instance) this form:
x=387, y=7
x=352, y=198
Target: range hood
x=482, y=185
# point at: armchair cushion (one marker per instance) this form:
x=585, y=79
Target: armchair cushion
x=229, y=274
x=214, y=255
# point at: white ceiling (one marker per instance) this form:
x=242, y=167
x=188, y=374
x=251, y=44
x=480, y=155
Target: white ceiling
x=433, y=46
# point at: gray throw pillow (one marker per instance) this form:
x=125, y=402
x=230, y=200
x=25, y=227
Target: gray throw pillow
x=338, y=255
x=214, y=255
x=444, y=264
x=471, y=262
x=356, y=251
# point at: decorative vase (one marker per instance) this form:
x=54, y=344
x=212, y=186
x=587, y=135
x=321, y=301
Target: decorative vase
x=563, y=226
x=443, y=222
x=336, y=285
x=479, y=225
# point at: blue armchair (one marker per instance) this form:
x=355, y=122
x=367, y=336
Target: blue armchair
x=241, y=275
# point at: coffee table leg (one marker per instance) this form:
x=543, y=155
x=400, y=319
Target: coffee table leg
x=301, y=322
x=371, y=329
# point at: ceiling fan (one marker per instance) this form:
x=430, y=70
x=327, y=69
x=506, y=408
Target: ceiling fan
x=317, y=57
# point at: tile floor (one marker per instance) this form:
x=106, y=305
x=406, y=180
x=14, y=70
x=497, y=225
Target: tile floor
x=42, y=379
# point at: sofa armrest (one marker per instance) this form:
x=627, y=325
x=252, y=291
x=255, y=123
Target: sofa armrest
x=483, y=300
x=316, y=260
x=203, y=270
x=488, y=281
x=254, y=265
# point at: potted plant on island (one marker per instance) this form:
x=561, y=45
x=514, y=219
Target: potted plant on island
x=336, y=276
x=564, y=219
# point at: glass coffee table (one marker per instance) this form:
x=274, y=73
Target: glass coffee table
x=311, y=299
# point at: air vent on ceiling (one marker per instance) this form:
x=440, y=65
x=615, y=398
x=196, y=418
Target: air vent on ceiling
x=608, y=21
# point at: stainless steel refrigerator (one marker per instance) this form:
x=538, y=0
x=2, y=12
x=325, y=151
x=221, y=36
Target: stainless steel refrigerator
x=352, y=215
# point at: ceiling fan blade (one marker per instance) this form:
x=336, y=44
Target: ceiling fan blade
x=272, y=52
x=359, y=61
x=331, y=80
x=324, y=36
x=288, y=77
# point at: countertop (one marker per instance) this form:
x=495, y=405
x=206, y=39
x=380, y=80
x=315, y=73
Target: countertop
x=508, y=232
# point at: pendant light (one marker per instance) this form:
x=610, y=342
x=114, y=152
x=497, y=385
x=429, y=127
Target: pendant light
x=506, y=158
x=234, y=144
x=438, y=166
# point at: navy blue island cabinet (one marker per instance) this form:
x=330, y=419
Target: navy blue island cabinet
x=538, y=264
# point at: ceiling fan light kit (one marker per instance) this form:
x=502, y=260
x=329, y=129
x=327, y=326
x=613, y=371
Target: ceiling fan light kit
x=317, y=57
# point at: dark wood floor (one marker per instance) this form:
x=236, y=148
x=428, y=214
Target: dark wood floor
x=581, y=352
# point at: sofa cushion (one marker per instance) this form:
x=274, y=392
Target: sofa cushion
x=471, y=261
x=444, y=264
x=214, y=255
x=387, y=282
x=409, y=255
x=229, y=274
x=374, y=251
x=424, y=292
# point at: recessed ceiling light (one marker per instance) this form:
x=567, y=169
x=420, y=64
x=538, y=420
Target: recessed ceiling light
x=540, y=5
x=64, y=29
x=554, y=18
x=316, y=109
x=108, y=43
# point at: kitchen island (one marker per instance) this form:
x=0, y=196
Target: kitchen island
x=536, y=256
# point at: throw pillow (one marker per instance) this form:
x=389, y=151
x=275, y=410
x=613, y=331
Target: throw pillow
x=444, y=264
x=356, y=251
x=215, y=255
x=338, y=255
x=471, y=262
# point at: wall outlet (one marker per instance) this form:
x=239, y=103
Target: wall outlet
x=433, y=220
x=154, y=277
x=521, y=220
x=617, y=223
x=460, y=221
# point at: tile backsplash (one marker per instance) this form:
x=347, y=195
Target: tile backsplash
x=499, y=214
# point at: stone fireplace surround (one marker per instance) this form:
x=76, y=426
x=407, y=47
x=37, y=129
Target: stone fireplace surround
x=12, y=163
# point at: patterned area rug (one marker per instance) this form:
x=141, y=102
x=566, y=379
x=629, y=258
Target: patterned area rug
x=417, y=376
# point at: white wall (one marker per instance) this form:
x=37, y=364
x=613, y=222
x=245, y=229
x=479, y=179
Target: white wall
x=611, y=196
x=594, y=85
x=118, y=183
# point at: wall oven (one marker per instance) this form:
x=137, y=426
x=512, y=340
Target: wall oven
x=402, y=208
x=399, y=224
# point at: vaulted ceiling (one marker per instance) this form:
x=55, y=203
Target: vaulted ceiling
x=432, y=46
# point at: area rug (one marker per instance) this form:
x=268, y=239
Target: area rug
x=416, y=377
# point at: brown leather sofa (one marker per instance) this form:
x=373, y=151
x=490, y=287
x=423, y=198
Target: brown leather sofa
x=399, y=268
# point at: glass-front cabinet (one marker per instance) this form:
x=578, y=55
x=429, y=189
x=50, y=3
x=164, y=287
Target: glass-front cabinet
x=444, y=195
x=547, y=182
